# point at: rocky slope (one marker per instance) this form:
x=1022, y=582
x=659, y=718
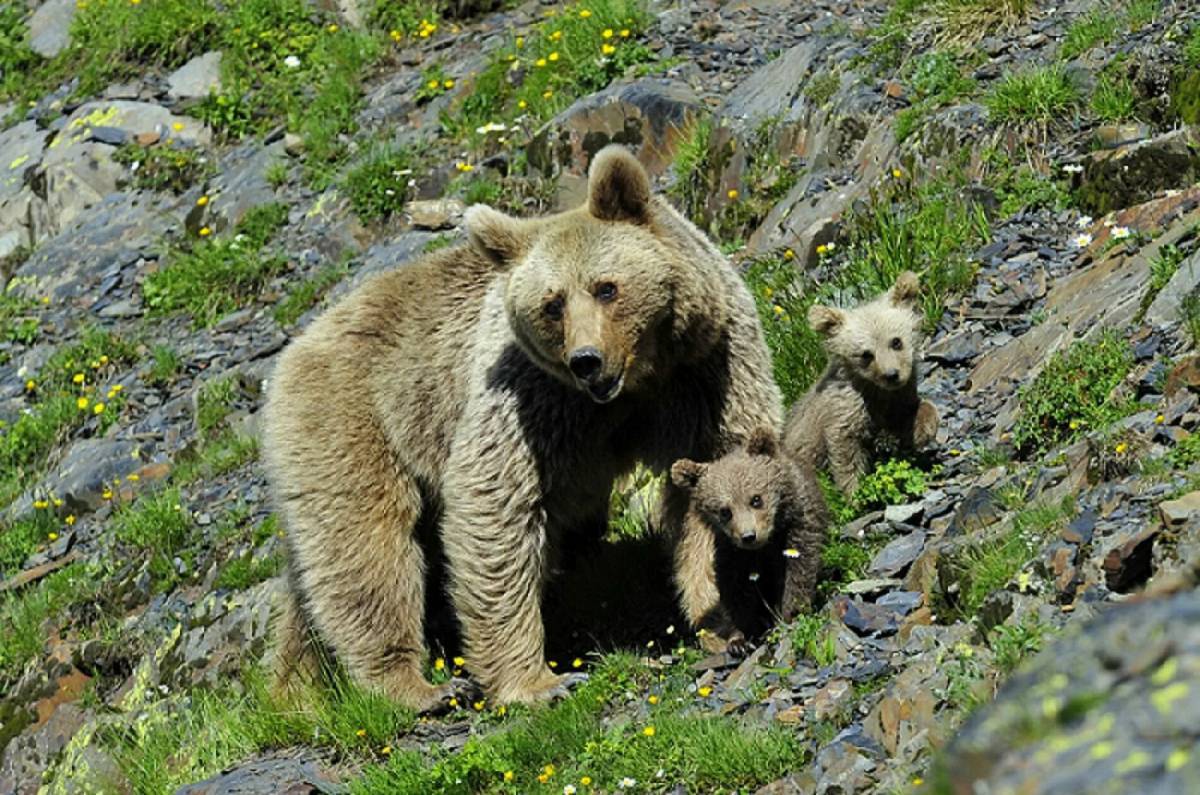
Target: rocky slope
x=185, y=185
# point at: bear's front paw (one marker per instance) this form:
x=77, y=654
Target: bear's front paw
x=738, y=645
x=451, y=696
x=551, y=688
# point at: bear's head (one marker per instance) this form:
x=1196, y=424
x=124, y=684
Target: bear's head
x=875, y=341
x=738, y=495
x=604, y=297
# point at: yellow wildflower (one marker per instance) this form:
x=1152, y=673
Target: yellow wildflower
x=704, y=692
x=203, y=200
x=459, y=661
x=508, y=775
x=30, y=385
x=556, y=35
x=648, y=731
x=58, y=503
x=584, y=14
x=395, y=35
x=177, y=126
x=547, y=94
x=453, y=703
x=778, y=309
x=577, y=663
x=653, y=699
x=607, y=49
x=586, y=781
x=77, y=378
x=789, y=254
x=540, y=62
x=897, y=173
x=522, y=104
x=361, y=733
x=98, y=408
x=1121, y=448
x=553, y=56
x=607, y=33
x=134, y=478
x=103, y=359
x=478, y=706
x=625, y=33
x=447, y=84
x=553, y=664
x=386, y=750
x=1159, y=420
x=548, y=770
x=520, y=41
x=432, y=84
x=52, y=536
x=70, y=520
x=821, y=249
x=107, y=493
x=439, y=664
x=40, y=504
x=543, y=778
x=332, y=28
x=205, y=231
x=82, y=403
x=732, y=194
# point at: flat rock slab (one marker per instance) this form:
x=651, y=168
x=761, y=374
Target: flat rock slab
x=197, y=78
x=1177, y=512
x=50, y=27
x=268, y=777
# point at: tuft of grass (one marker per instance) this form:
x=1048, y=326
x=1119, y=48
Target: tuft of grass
x=174, y=167
x=1191, y=48
x=783, y=297
x=378, y=184
x=694, y=170
x=213, y=277
x=812, y=638
x=224, y=452
x=25, y=613
x=1035, y=94
x=936, y=79
x=821, y=88
x=19, y=321
x=1113, y=99
x=156, y=526
x=20, y=539
x=1098, y=26
x=1012, y=643
x=1162, y=269
x=1019, y=186
x=165, y=365
x=305, y=295
x=17, y=60
x=213, y=404
x=1074, y=394
x=247, y=570
x=989, y=566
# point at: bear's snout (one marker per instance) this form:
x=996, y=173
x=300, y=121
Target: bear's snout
x=892, y=376
x=586, y=363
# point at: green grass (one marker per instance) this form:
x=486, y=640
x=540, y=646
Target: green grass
x=20, y=539
x=156, y=526
x=1113, y=99
x=25, y=613
x=377, y=184
x=783, y=297
x=19, y=322
x=214, y=276
x=165, y=365
x=821, y=87
x=812, y=638
x=246, y=570
x=173, y=167
x=1191, y=48
x=1035, y=94
x=955, y=23
x=56, y=410
x=16, y=59
x=1019, y=187
x=565, y=56
x=304, y=296
x=892, y=482
x=989, y=566
x=1073, y=394
x=1162, y=268
x=936, y=79
x=180, y=741
x=224, y=452
x=693, y=170
x=1098, y=26
x=213, y=404
x=1012, y=643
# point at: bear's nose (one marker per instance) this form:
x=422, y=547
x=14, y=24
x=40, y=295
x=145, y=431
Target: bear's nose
x=585, y=363
x=748, y=536
x=893, y=376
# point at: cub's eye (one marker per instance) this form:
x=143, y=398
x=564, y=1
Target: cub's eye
x=867, y=357
x=726, y=515
x=553, y=308
x=897, y=344
x=606, y=291
x=756, y=502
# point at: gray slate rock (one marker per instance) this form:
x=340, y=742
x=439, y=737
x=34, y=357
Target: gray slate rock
x=50, y=27
x=197, y=78
x=269, y=777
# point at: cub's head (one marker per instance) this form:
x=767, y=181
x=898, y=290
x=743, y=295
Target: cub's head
x=594, y=295
x=875, y=341
x=736, y=496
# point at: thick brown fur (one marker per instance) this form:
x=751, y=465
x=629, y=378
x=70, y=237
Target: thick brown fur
x=869, y=388
x=767, y=518
x=496, y=389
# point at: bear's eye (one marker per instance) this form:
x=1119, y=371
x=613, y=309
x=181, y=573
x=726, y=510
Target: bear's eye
x=867, y=357
x=726, y=514
x=897, y=343
x=553, y=308
x=756, y=502
x=606, y=291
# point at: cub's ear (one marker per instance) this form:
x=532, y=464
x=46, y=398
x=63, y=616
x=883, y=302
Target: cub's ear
x=501, y=237
x=686, y=473
x=825, y=320
x=762, y=442
x=905, y=291
x=618, y=188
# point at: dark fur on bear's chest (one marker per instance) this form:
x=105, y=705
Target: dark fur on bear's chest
x=751, y=583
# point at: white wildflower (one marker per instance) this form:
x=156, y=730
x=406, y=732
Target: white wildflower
x=491, y=127
x=1072, y=168
x=791, y=553
x=1120, y=232
x=1084, y=221
x=291, y=62
x=1082, y=241
x=627, y=783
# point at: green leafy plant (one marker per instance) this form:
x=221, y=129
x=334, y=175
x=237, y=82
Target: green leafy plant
x=1098, y=26
x=173, y=167
x=305, y=295
x=1113, y=99
x=1073, y=394
x=378, y=184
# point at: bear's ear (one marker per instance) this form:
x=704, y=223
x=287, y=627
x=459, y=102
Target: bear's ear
x=686, y=473
x=762, y=442
x=825, y=320
x=501, y=237
x=618, y=188
x=905, y=291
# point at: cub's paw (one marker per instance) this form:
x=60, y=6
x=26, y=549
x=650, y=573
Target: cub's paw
x=551, y=689
x=455, y=694
x=738, y=645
